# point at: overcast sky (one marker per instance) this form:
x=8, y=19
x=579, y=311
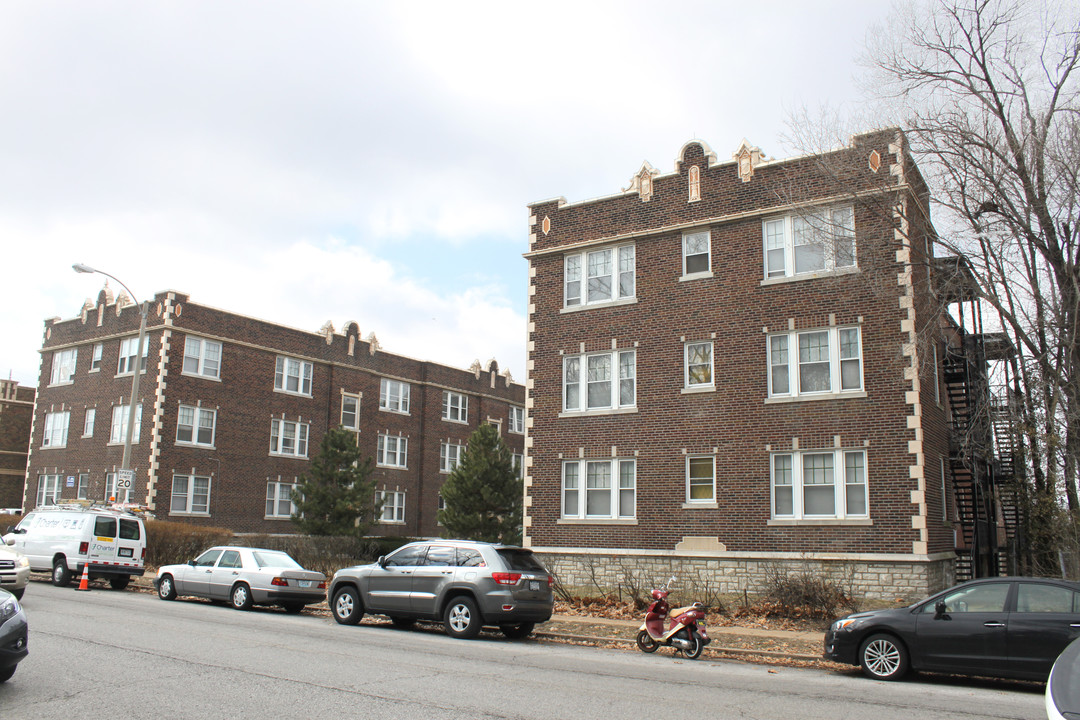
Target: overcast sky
x=311, y=161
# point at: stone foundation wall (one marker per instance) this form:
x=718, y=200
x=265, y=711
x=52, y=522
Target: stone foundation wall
x=863, y=576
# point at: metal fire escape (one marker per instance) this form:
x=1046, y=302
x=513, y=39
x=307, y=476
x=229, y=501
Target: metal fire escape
x=984, y=450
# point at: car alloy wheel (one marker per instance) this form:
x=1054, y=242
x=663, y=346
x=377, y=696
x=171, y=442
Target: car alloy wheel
x=883, y=657
x=347, y=607
x=462, y=620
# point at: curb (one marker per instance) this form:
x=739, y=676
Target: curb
x=742, y=652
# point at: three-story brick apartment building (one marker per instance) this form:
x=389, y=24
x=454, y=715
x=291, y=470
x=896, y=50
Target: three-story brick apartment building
x=734, y=368
x=231, y=409
x=16, y=411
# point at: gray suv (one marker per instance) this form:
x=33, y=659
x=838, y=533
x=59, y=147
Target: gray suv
x=464, y=584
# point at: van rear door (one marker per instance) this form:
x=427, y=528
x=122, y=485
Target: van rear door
x=130, y=543
x=103, y=542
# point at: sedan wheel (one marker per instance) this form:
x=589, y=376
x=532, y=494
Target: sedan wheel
x=461, y=619
x=166, y=590
x=883, y=657
x=346, y=606
x=241, y=597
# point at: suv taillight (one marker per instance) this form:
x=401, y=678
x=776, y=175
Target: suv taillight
x=506, y=578
x=551, y=581
x=83, y=547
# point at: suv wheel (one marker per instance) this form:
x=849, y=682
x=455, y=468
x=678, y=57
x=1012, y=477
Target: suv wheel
x=346, y=606
x=461, y=619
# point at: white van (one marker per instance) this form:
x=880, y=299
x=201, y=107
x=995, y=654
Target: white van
x=64, y=539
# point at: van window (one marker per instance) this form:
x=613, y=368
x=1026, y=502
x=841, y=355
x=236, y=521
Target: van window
x=129, y=530
x=105, y=527
x=24, y=524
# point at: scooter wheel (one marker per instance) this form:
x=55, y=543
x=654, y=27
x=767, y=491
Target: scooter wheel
x=646, y=643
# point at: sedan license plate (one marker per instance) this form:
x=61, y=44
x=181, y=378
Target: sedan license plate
x=305, y=583
x=126, y=552
x=534, y=584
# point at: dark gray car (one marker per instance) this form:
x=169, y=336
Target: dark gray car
x=13, y=635
x=464, y=584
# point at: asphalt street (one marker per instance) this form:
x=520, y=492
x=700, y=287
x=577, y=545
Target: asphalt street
x=99, y=652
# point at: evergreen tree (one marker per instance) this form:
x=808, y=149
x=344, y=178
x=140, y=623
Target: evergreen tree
x=482, y=497
x=337, y=497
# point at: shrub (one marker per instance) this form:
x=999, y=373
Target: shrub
x=168, y=543
x=804, y=595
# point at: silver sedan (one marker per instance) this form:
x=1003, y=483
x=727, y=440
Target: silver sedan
x=244, y=576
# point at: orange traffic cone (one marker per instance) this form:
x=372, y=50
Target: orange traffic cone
x=84, y=584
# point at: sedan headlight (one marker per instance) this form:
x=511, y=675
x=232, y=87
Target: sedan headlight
x=844, y=624
x=8, y=608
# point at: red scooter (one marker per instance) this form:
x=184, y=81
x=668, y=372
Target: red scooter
x=687, y=632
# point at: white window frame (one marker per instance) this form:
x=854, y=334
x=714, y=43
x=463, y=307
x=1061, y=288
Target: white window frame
x=782, y=237
x=119, y=423
x=63, y=366
x=687, y=239
x=700, y=461
x=202, y=357
x=111, y=491
x=785, y=357
x=396, y=456
x=126, y=359
x=688, y=382
x=82, y=491
x=282, y=431
x=55, y=433
x=519, y=464
x=393, y=506
x=353, y=398
x=621, y=368
x=788, y=483
x=585, y=273
x=189, y=506
x=279, y=493
x=449, y=456
x=455, y=407
x=394, y=396
x=618, y=479
x=293, y=371
x=516, y=422
x=48, y=491
x=95, y=357
x=88, y=422
x=196, y=426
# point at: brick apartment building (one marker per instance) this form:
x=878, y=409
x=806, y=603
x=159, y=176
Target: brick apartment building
x=735, y=368
x=231, y=410
x=16, y=414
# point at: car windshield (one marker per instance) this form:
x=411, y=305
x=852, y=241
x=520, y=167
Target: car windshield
x=518, y=559
x=270, y=558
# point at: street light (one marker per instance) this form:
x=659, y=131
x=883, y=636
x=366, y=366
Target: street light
x=126, y=473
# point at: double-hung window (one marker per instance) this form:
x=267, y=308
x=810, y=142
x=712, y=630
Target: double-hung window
x=696, y=252
x=190, y=495
x=48, y=490
x=95, y=357
x=599, y=276
x=701, y=479
x=449, y=456
x=394, y=396
x=350, y=411
x=815, y=362
x=279, y=503
x=821, y=240
x=129, y=347
x=195, y=425
x=88, y=422
x=600, y=381
x=393, y=451
x=292, y=376
x=455, y=407
x=288, y=438
x=56, y=429
x=699, y=365
x=119, y=425
x=393, y=506
x=819, y=484
x=82, y=492
x=600, y=489
x=202, y=357
x=517, y=419
x=63, y=366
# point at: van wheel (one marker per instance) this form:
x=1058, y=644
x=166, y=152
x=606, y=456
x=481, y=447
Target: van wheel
x=119, y=582
x=241, y=597
x=461, y=619
x=61, y=576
